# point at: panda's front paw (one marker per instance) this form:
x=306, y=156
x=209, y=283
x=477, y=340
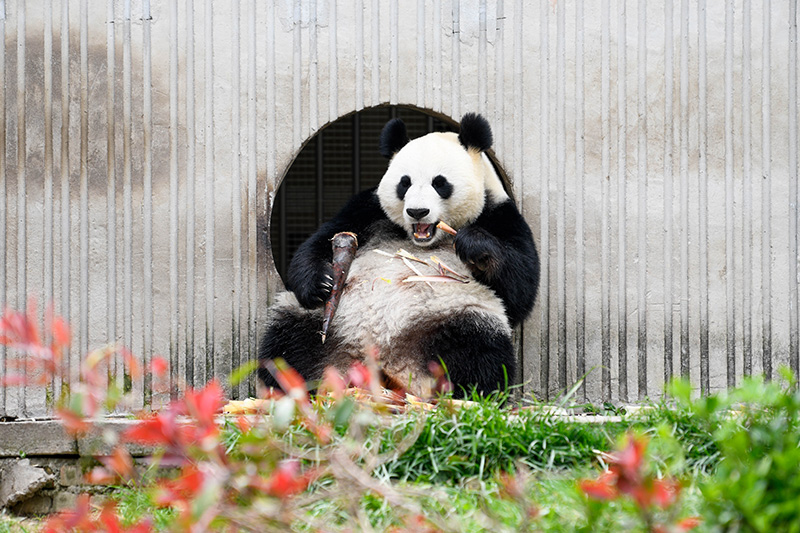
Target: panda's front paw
x=314, y=287
x=480, y=251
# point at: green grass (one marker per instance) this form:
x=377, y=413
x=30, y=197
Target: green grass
x=482, y=440
x=471, y=506
x=14, y=524
x=134, y=504
x=476, y=506
x=695, y=435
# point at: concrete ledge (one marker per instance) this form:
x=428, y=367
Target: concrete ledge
x=35, y=437
x=96, y=441
x=47, y=438
x=43, y=470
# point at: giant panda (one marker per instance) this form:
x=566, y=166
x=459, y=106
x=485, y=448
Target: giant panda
x=465, y=327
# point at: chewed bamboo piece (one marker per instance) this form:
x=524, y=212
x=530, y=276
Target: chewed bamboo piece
x=414, y=269
x=406, y=255
x=344, y=247
x=435, y=279
x=445, y=270
x=445, y=228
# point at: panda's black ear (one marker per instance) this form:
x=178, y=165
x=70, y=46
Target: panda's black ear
x=475, y=132
x=393, y=137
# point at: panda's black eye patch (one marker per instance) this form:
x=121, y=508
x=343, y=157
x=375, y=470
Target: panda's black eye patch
x=402, y=187
x=442, y=187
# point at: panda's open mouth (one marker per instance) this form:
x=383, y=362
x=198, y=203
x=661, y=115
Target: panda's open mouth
x=423, y=232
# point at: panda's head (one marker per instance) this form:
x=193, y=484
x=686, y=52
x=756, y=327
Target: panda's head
x=438, y=177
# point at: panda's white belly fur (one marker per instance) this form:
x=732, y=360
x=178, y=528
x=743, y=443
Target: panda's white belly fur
x=379, y=311
x=378, y=306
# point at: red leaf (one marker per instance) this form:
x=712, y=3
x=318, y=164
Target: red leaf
x=59, y=329
x=20, y=328
x=158, y=430
x=358, y=375
x=165, y=429
x=286, y=480
x=108, y=517
x=687, y=524
x=159, y=366
x=203, y=406
x=205, y=403
x=183, y=488
x=629, y=460
x=642, y=495
x=332, y=382
x=74, y=424
x=120, y=462
x=244, y=424
x=111, y=522
x=141, y=527
x=79, y=518
x=603, y=488
x=13, y=380
x=443, y=384
x=131, y=362
x=510, y=486
x=287, y=377
x=665, y=492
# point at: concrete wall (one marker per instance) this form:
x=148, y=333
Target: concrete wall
x=652, y=148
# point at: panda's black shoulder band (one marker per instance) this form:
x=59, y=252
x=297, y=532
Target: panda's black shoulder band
x=393, y=137
x=475, y=132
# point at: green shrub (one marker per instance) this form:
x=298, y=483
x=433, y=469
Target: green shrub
x=756, y=486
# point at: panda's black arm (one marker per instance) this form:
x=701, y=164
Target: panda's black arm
x=310, y=267
x=499, y=250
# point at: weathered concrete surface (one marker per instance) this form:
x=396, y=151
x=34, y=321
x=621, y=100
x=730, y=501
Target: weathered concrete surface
x=30, y=438
x=65, y=481
x=42, y=469
x=21, y=480
x=40, y=437
x=105, y=433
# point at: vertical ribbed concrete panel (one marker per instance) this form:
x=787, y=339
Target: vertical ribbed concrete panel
x=793, y=198
x=21, y=218
x=702, y=176
x=652, y=146
x=4, y=368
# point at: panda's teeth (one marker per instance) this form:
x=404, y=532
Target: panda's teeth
x=422, y=231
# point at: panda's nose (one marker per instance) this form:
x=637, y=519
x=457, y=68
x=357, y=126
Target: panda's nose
x=417, y=213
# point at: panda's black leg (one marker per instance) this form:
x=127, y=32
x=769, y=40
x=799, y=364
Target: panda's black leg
x=475, y=354
x=295, y=338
